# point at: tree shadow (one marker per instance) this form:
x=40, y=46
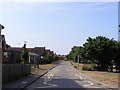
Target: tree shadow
x=56, y=82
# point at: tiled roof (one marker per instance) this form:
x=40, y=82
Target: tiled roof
x=14, y=48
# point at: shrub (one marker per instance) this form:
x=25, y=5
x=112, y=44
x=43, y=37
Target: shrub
x=92, y=67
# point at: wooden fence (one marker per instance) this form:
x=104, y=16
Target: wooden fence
x=12, y=71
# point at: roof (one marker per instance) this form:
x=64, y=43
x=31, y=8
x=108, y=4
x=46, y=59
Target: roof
x=3, y=42
x=14, y=49
x=32, y=54
x=37, y=50
x=2, y=26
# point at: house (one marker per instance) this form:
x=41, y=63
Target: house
x=62, y=57
x=39, y=51
x=2, y=44
x=35, y=54
x=33, y=58
x=14, y=54
x=47, y=51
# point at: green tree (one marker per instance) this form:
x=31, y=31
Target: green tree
x=73, y=53
x=49, y=58
x=24, y=55
x=117, y=56
x=100, y=49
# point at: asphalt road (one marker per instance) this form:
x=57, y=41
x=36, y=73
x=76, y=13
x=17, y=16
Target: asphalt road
x=65, y=76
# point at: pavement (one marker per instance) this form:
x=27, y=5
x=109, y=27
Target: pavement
x=23, y=82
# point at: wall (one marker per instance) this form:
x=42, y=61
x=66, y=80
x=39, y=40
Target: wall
x=12, y=71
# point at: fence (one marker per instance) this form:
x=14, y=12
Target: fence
x=12, y=71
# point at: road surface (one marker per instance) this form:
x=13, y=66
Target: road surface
x=64, y=76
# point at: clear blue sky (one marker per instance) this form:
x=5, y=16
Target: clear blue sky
x=58, y=26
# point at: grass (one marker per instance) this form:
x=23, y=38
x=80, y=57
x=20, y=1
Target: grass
x=36, y=68
x=106, y=78
x=80, y=65
x=46, y=66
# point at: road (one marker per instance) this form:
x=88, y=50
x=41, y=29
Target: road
x=64, y=76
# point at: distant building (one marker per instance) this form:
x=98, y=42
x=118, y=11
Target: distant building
x=47, y=51
x=61, y=57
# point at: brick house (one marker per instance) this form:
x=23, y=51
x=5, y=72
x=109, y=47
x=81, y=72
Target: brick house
x=47, y=51
x=2, y=44
x=14, y=54
x=39, y=51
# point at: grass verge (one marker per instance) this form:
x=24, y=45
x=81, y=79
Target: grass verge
x=110, y=79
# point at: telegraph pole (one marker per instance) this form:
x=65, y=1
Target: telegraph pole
x=78, y=61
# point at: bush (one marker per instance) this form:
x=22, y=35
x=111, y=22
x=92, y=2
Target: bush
x=88, y=68
x=92, y=67
x=65, y=59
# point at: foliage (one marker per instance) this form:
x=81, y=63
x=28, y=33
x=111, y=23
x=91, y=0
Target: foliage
x=100, y=49
x=24, y=54
x=65, y=59
x=49, y=58
x=92, y=67
x=103, y=51
x=117, y=56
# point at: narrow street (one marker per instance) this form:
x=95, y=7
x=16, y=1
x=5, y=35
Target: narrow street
x=64, y=76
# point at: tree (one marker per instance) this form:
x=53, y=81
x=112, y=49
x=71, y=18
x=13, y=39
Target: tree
x=100, y=49
x=73, y=53
x=49, y=58
x=24, y=55
x=103, y=51
x=117, y=56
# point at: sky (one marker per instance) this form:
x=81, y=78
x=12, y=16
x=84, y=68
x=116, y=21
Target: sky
x=57, y=25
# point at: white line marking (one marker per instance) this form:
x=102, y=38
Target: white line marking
x=79, y=76
x=90, y=84
x=48, y=78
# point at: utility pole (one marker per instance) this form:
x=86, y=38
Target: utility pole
x=74, y=61
x=78, y=61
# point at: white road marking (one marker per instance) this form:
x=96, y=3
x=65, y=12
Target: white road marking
x=79, y=76
x=24, y=82
x=87, y=85
x=48, y=78
x=90, y=84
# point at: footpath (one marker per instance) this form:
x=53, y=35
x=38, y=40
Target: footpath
x=21, y=84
